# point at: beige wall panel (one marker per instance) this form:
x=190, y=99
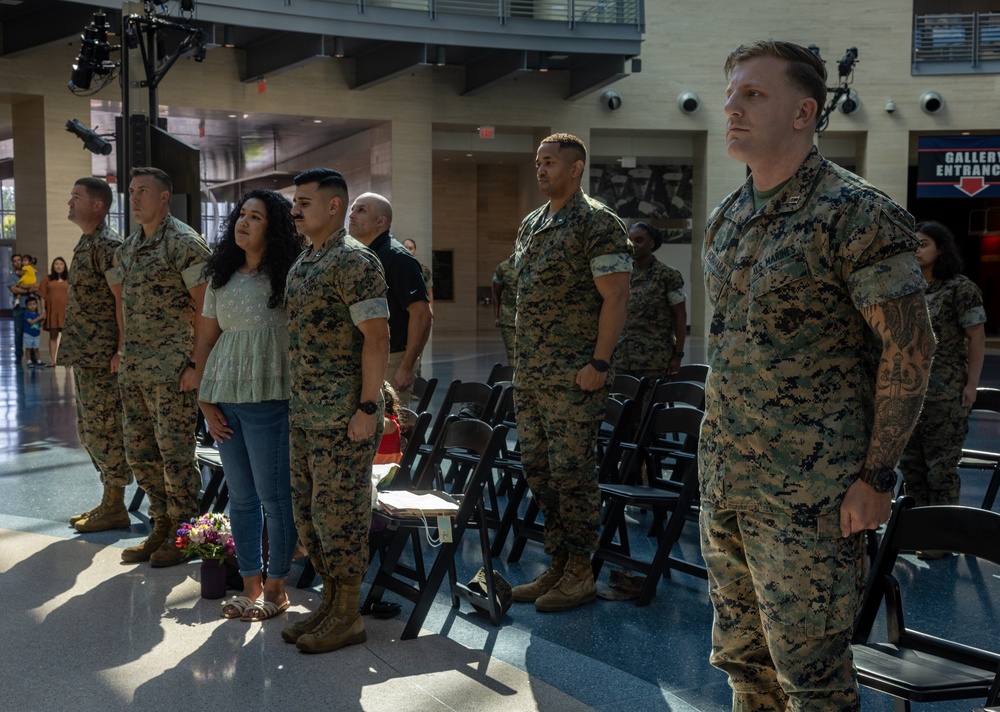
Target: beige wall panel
x=455, y=229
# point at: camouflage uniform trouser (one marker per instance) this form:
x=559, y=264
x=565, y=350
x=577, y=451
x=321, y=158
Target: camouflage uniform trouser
x=785, y=589
x=930, y=459
x=507, y=334
x=331, y=498
x=558, y=431
x=159, y=427
x=99, y=423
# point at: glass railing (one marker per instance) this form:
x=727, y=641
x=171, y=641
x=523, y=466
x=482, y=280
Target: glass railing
x=966, y=38
x=572, y=12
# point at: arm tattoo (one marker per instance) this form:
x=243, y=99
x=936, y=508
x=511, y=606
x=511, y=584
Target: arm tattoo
x=907, y=346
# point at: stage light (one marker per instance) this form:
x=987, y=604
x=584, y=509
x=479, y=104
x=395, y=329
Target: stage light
x=91, y=141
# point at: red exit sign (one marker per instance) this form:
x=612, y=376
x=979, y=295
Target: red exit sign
x=486, y=132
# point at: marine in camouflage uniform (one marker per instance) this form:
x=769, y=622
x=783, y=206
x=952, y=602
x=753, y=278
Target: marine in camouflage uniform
x=338, y=311
x=564, y=322
x=505, y=304
x=788, y=425
x=89, y=345
x=161, y=277
x=930, y=461
x=649, y=342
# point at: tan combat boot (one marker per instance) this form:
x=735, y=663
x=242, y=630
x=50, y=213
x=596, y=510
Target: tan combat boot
x=296, y=630
x=111, y=514
x=342, y=626
x=90, y=512
x=528, y=592
x=145, y=549
x=168, y=554
x=575, y=588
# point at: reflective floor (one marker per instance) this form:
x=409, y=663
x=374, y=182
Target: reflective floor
x=79, y=630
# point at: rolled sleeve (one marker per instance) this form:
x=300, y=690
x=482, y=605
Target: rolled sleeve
x=194, y=275
x=369, y=309
x=114, y=276
x=675, y=297
x=972, y=317
x=891, y=278
x=610, y=264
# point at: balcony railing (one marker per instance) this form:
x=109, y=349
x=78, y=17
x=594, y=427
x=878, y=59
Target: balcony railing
x=967, y=41
x=572, y=12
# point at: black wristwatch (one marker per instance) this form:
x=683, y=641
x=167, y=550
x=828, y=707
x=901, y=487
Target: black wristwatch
x=368, y=407
x=599, y=365
x=881, y=479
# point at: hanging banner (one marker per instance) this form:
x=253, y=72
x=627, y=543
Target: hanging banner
x=958, y=167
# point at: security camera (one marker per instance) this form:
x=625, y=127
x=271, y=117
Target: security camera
x=850, y=103
x=611, y=100
x=890, y=106
x=688, y=102
x=931, y=102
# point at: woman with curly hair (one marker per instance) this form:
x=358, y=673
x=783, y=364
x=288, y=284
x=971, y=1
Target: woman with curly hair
x=930, y=461
x=242, y=366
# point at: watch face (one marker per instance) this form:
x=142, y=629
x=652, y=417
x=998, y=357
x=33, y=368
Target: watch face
x=368, y=407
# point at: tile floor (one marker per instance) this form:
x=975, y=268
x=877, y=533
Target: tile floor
x=79, y=630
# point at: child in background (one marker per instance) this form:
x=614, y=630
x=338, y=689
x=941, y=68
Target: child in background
x=32, y=331
x=27, y=273
x=390, y=449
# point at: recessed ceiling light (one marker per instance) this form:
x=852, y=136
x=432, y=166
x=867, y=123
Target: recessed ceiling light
x=317, y=121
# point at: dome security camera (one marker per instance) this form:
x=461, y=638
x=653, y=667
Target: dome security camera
x=890, y=106
x=850, y=103
x=931, y=102
x=611, y=100
x=688, y=102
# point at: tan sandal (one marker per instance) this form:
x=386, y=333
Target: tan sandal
x=239, y=604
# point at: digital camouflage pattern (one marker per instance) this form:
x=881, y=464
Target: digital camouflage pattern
x=555, y=263
x=929, y=462
x=648, y=341
x=158, y=425
x=326, y=294
x=90, y=335
x=504, y=276
x=786, y=589
x=557, y=428
x=331, y=498
x=954, y=305
x=428, y=276
x=789, y=398
x=789, y=411
x=99, y=422
x=156, y=274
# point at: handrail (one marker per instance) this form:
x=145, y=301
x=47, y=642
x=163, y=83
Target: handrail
x=572, y=12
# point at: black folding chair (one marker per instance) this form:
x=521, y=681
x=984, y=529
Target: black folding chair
x=422, y=391
x=669, y=446
x=914, y=666
x=987, y=405
x=500, y=373
x=458, y=434
x=694, y=372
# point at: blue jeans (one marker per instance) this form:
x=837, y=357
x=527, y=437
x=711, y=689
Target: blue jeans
x=255, y=461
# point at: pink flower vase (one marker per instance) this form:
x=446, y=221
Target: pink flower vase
x=213, y=579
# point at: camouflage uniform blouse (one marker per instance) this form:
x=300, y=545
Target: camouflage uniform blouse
x=648, y=340
x=327, y=294
x=790, y=395
x=504, y=276
x=556, y=262
x=955, y=305
x=157, y=274
x=90, y=337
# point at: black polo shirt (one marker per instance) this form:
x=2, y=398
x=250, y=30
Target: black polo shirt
x=406, y=285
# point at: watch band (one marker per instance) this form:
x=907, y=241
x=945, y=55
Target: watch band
x=368, y=407
x=599, y=365
x=881, y=479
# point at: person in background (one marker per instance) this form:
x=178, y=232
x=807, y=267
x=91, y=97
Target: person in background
x=32, y=331
x=390, y=450
x=54, y=292
x=243, y=372
x=930, y=461
x=28, y=274
x=652, y=342
x=411, y=247
x=504, y=297
x=17, y=308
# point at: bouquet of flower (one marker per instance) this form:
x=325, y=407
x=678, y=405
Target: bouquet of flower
x=209, y=537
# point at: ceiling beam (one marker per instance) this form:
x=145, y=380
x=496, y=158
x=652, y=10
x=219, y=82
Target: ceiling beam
x=387, y=61
x=491, y=68
x=592, y=72
x=280, y=52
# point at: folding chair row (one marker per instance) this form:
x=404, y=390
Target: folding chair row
x=459, y=435
x=422, y=391
x=987, y=405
